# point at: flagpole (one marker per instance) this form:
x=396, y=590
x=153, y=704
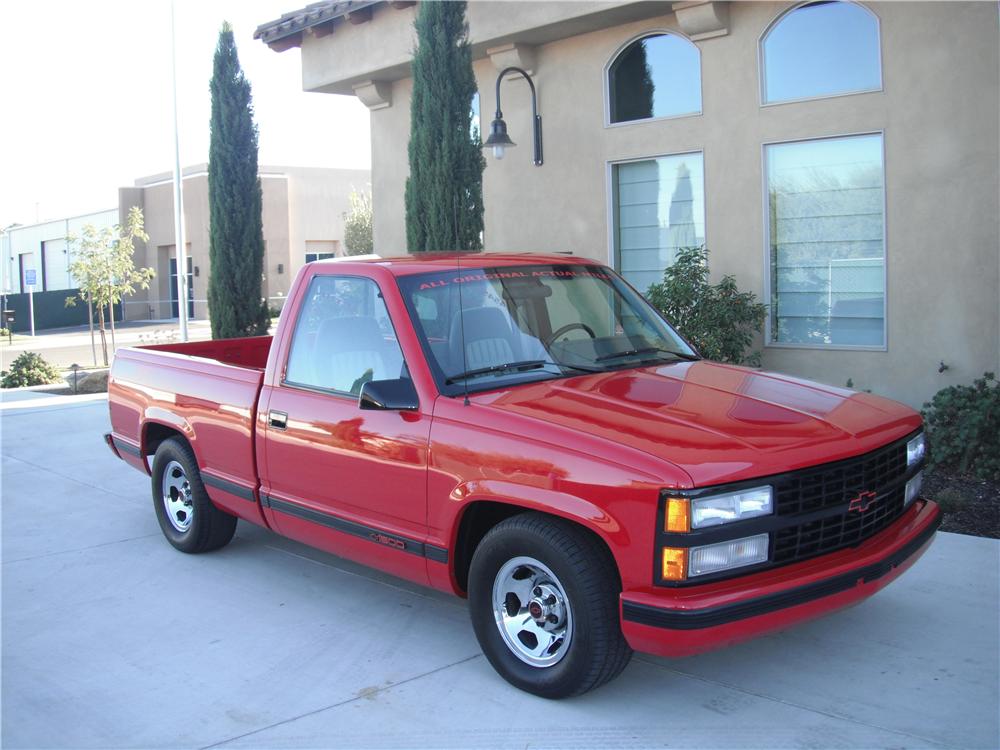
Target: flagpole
x=182, y=277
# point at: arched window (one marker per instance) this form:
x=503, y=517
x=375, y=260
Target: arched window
x=821, y=49
x=656, y=76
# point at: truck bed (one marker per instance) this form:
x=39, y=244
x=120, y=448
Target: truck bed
x=245, y=352
x=204, y=390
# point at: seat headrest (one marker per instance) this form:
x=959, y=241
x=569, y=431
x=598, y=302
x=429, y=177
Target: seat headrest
x=350, y=334
x=482, y=323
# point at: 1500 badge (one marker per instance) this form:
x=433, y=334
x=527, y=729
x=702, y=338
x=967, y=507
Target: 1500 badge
x=388, y=541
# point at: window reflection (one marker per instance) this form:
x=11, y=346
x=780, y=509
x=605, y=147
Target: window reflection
x=656, y=76
x=659, y=208
x=821, y=49
x=825, y=207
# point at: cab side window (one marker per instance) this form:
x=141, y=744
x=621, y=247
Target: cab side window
x=343, y=337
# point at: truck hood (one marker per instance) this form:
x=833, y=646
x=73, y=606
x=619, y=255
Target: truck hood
x=718, y=423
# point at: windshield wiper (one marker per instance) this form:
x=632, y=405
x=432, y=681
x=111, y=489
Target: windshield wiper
x=579, y=368
x=530, y=364
x=647, y=350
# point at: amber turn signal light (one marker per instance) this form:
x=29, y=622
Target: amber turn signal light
x=678, y=517
x=674, y=564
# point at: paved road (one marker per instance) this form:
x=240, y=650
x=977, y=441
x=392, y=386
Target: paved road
x=66, y=346
x=113, y=639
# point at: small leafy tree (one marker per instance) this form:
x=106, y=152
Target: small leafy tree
x=720, y=320
x=104, y=268
x=963, y=427
x=444, y=192
x=29, y=369
x=358, y=224
x=236, y=306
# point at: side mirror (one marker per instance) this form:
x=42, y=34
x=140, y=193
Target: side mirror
x=389, y=395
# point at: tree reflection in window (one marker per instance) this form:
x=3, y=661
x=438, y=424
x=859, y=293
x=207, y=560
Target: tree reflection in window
x=655, y=76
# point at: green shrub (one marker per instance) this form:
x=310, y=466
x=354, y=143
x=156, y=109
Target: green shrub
x=29, y=369
x=720, y=320
x=963, y=427
x=4, y=333
x=951, y=500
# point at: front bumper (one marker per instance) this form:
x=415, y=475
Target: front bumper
x=693, y=619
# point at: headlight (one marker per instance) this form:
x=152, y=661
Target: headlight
x=915, y=450
x=730, y=507
x=912, y=488
x=713, y=558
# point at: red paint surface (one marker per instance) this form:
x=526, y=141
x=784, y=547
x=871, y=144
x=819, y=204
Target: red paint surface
x=596, y=449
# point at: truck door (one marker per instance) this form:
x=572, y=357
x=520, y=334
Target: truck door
x=333, y=475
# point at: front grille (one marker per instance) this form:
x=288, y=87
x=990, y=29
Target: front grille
x=836, y=532
x=822, y=487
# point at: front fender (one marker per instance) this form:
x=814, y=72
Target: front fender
x=630, y=550
x=553, y=502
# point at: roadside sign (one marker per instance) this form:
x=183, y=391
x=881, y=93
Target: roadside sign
x=30, y=279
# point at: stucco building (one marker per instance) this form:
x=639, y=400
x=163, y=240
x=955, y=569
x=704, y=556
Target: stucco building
x=303, y=218
x=840, y=159
x=303, y=213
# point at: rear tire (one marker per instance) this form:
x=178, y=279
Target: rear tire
x=188, y=518
x=543, y=595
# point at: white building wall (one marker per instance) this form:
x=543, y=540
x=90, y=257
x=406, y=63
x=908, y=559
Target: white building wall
x=45, y=248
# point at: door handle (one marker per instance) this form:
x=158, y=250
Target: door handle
x=278, y=420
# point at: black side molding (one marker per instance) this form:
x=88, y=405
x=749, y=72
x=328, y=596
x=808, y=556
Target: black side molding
x=121, y=446
x=226, y=486
x=370, y=533
x=656, y=617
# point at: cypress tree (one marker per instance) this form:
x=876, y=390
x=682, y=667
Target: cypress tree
x=444, y=192
x=236, y=237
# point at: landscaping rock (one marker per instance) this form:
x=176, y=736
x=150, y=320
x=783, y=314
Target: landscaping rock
x=89, y=381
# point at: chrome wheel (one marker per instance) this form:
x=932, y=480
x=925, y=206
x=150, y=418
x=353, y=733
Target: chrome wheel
x=532, y=612
x=177, y=499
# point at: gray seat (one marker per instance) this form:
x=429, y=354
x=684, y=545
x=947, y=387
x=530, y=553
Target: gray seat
x=351, y=351
x=489, y=340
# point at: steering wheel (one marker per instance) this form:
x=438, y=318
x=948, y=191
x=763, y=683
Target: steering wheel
x=566, y=329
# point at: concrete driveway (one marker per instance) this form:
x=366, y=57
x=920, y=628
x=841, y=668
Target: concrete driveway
x=113, y=639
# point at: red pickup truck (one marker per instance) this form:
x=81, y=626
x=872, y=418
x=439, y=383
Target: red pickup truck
x=526, y=431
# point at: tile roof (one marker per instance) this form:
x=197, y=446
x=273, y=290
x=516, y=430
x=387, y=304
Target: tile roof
x=312, y=15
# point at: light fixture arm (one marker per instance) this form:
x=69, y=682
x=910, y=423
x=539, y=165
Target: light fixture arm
x=536, y=118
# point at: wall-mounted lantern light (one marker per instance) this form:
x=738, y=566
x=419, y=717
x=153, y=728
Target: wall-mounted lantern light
x=499, y=141
x=281, y=268
x=197, y=270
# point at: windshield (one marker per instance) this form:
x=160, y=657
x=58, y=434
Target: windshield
x=525, y=323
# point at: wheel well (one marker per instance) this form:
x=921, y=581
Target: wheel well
x=155, y=433
x=482, y=516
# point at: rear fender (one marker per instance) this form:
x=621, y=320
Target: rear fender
x=155, y=415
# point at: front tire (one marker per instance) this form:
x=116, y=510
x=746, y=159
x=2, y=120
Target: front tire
x=543, y=595
x=188, y=518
